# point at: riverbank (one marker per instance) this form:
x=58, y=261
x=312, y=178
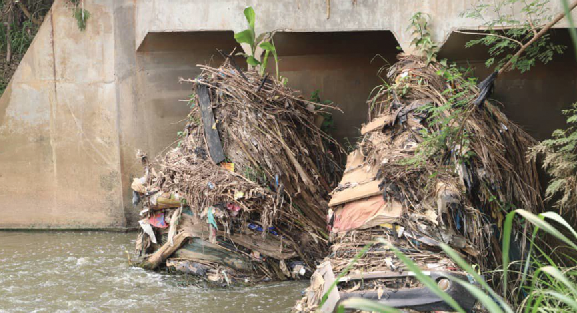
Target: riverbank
x=88, y=272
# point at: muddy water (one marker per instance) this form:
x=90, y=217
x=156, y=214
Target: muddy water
x=88, y=272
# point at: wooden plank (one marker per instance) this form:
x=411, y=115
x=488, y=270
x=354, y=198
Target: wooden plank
x=355, y=193
x=269, y=246
x=199, y=250
x=154, y=260
x=210, y=131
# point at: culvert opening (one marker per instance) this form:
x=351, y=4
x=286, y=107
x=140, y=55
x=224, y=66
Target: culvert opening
x=249, y=155
x=162, y=59
x=534, y=99
x=342, y=66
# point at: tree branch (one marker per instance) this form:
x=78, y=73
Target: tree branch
x=27, y=13
x=537, y=36
x=490, y=34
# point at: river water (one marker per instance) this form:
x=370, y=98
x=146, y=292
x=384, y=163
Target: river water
x=89, y=272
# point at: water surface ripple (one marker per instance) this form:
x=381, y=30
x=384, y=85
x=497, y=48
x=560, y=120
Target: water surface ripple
x=89, y=272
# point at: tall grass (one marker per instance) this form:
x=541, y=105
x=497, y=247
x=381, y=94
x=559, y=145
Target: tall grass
x=548, y=285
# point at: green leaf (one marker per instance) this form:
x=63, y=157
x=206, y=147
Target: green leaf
x=252, y=61
x=426, y=280
x=264, y=62
x=267, y=46
x=557, y=218
x=469, y=269
x=563, y=298
x=250, y=16
x=244, y=36
x=538, y=221
x=558, y=275
x=487, y=302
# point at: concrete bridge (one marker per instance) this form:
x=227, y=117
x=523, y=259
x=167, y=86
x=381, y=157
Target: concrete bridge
x=82, y=102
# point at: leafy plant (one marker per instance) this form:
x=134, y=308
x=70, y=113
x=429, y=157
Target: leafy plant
x=549, y=286
x=264, y=41
x=80, y=14
x=24, y=18
x=445, y=132
x=511, y=30
x=560, y=161
x=423, y=42
x=560, y=152
x=328, y=122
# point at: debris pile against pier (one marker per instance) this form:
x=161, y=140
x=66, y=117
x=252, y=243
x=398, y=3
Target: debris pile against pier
x=244, y=194
x=430, y=168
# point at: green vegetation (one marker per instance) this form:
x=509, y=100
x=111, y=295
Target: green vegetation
x=80, y=14
x=422, y=37
x=264, y=41
x=560, y=161
x=511, y=30
x=545, y=283
x=548, y=285
x=328, y=123
x=19, y=22
x=447, y=120
x=560, y=152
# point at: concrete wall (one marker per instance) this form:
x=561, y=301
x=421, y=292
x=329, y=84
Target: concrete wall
x=82, y=103
x=311, y=16
x=59, y=157
x=342, y=65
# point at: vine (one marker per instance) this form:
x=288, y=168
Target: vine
x=79, y=13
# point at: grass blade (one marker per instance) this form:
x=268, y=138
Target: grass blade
x=557, y=274
x=344, y=272
x=426, y=280
x=563, y=298
x=487, y=302
x=365, y=305
x=469, y=269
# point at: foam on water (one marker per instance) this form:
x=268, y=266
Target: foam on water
x=88, y=272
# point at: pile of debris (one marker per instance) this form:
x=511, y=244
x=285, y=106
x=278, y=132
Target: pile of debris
x=394, y=189
x=244, y=194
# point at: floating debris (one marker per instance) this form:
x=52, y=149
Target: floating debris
x=243, y=196
x=415, y=199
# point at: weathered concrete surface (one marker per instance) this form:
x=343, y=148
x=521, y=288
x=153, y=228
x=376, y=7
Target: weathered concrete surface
x=153, y=106
x=343, y=66
x=82, y=103
x=310, y=16
x=59, y=157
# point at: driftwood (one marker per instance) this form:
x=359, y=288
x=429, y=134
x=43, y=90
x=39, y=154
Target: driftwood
x=210, y=131
x=154, y=260
x=202, y=251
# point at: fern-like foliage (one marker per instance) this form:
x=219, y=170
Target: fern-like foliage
x=516, y=24
x=560, y=161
